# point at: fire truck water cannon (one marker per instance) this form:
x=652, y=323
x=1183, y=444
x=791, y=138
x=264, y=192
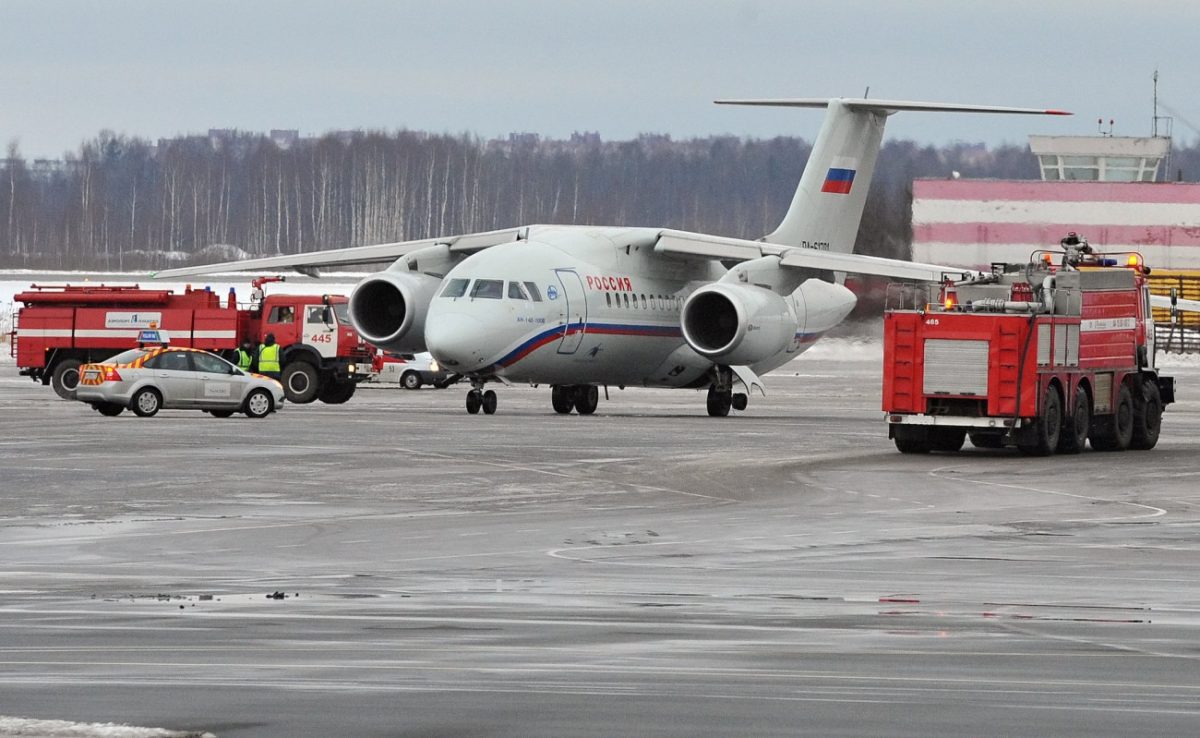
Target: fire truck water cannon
x=1042, y=356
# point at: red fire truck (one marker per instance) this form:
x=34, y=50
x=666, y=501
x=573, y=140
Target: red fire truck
x=58, y=328
x=1043, y=356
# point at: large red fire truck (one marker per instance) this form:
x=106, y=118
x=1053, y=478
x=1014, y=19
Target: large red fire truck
x=1042, y=356
x=58, y=328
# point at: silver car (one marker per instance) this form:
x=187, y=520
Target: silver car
x=147, y=380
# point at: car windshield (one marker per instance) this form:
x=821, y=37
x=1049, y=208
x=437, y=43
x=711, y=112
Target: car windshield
x=127, y=357
x=342, y=311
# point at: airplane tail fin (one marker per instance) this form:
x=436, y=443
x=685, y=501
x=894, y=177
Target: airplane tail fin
x=828, y=205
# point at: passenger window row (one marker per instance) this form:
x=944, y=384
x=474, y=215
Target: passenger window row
x=643, y=302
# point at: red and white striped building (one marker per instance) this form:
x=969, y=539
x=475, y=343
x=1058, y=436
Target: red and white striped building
x=977, y=222
x=1101, y=187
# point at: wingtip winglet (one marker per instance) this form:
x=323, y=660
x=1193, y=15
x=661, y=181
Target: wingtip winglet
x=1059, y=112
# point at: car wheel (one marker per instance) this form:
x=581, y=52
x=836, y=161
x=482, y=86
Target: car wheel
x=259, y=404
x=300, y=382
x=220, y=413
x=146, y=403
x=65, y=379
x=411, y=380
x=108, y=409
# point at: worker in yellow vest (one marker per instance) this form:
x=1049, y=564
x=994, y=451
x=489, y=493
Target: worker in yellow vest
x=268, y=357
x=246, y=355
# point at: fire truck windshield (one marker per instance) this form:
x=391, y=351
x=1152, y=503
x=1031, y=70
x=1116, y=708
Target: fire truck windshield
x=342, y=311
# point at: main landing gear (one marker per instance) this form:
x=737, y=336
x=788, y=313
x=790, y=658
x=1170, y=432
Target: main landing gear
x=584, y=398
x=722, y=398
x=478, y=399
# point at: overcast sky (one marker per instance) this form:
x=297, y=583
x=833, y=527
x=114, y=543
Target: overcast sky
x=155, y=68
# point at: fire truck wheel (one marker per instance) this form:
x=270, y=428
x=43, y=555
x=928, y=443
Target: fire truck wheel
x=563, y=399
x=488, y=402
x=1077, y=425
x=1114, y=432
x=911, y=439
x=1042, y=438
x=259, y=404
x=146, y=403
x=411, y=380
x=300, y=382
x=335, y=393
x=946, y=439
x=65, y=379
x=587, y=399
x=987, y=440
x=1147, y=417
x=108, y=409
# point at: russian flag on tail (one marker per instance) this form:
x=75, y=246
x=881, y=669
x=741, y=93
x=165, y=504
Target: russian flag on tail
x=838, y=180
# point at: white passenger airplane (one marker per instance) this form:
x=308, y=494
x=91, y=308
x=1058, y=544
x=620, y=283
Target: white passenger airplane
x=579, y=307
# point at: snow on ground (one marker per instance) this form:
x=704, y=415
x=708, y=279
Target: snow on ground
x=11, y=727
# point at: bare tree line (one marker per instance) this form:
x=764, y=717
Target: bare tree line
x=120, y=203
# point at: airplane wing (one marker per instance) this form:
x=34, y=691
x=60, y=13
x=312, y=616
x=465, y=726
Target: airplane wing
x=1165, y=301
x=384, y=253
x=699, y=245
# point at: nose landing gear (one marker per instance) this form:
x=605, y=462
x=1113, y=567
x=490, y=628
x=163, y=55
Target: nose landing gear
x=478, y=399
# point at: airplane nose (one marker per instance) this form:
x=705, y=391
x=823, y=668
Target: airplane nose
x=459, y=342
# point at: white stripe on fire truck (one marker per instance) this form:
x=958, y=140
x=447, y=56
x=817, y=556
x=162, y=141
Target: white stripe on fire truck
x=113, y=333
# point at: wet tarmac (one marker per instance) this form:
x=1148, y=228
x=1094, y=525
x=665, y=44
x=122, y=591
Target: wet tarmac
x=645, y=571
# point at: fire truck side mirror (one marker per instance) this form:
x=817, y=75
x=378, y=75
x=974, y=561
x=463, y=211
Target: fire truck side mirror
x=327, y=315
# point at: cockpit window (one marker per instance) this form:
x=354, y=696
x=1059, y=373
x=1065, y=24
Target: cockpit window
x=534, y=293
x=456, y=288
x=491, y=289
x=516, y=291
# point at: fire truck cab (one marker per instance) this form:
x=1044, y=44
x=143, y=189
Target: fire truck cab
x=1043, y=356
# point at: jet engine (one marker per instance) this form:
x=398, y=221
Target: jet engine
x=389, y=309
x=737, y=324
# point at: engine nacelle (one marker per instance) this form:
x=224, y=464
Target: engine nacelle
x=389, y=309
x=737, y=324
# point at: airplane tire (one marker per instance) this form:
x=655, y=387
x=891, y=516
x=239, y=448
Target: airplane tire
x=474, y=401
x=740, y=401
x=719, y=403
x=587, y=398
x=489, y=402
x=563, y=399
